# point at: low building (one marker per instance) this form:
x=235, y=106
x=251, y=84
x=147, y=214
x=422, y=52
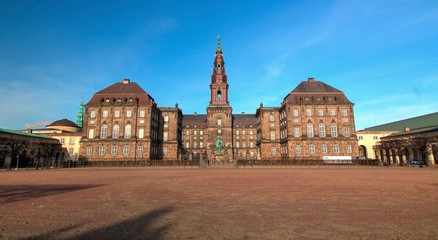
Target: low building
x=21, y=149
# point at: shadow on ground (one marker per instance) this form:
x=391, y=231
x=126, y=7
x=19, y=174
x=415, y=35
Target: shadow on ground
x=15, y=193
x=141, y=227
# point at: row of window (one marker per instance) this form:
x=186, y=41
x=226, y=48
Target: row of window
x=71, y=141
x=319, y=112
x=117, y=113
x=310, y=131
x=113, y=150
x=312, y=149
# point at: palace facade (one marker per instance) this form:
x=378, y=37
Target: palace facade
x=123, y=122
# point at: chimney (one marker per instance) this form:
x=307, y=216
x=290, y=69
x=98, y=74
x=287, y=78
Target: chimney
x=407, y=129
x=311, y=79
x=126, y=81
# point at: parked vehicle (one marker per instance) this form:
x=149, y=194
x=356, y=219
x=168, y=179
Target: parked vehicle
x=416, y=162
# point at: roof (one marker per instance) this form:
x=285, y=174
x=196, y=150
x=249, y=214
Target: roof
x=22, y=133
x=194, y=119
x=124, y=90
x=315, y=87
x=413, y=132
x=245, y=118
x=422, y=121
x=317, y=92
x=63, y=122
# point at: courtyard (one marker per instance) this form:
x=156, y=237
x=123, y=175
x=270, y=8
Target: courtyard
x=214, y=203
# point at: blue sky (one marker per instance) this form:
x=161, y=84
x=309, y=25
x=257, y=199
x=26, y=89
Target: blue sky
x=382, y=54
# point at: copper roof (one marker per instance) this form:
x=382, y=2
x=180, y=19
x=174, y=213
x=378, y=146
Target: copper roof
x=63, y=122
x=124, y=90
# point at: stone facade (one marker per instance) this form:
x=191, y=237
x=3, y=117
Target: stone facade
x=123, y=122
x=314, y=120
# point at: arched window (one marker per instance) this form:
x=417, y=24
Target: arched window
x=333, y=130
x=219, y=95
x=128, y=131
x=336, y=148
x=104, y=131
x=113, y=150
x=323, y=148
x=298, y=149
x=311, y=148
x=321, y=130
x=349, y=149
x=309, y=130
x=101, y=150
x=116, y=131
x=126, y=150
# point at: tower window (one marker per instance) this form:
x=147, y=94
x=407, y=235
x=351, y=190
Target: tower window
x=219, y=94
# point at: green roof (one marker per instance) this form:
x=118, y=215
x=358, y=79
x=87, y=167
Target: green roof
x=22, y=133
x=423, y=121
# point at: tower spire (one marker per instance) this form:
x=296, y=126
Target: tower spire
x=219, y=48
x=80, y=115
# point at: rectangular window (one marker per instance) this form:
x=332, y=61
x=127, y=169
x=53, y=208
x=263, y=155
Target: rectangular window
x=141, y=133
x=237, y=144
x=165, y=136
x=92, y=114
x=139, y=150
x=272, y=135
x=295, y=112
x=243, y=144
x=105, y=114
x=89, y=150
x=62, y=140
x=320, y=112
x=219, y=122
x=273, y=151
x=344, y=112
x=219, y=131
x=237, y=132
x=296, y=132
x=166, y=118
x=128, y=113
x=142, y=113
x=349, y=149
x=187, y=145
x=308, y=112
x=347, y=132
x=201, y=144
x=195, y=132
x=195, y=145
x=72, y=141
x=251, y=144
x=187, y=132
x=117, y=113
x=332, y=112
x=271, y=118
x=165, y=152
x=243, y=132
x=250, y=132
x=70, y=151
x=91, y=133
x=201, y=132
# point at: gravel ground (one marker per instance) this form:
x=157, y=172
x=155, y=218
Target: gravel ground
x=296, y=203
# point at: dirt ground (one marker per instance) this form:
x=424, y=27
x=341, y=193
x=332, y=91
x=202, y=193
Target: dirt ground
x=296, y=203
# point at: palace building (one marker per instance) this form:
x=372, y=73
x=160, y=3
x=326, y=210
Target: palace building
x=123, y=122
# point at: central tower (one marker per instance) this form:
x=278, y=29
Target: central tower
x=219, y=111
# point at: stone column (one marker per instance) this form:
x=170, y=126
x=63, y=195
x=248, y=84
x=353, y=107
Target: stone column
x=430, y=159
